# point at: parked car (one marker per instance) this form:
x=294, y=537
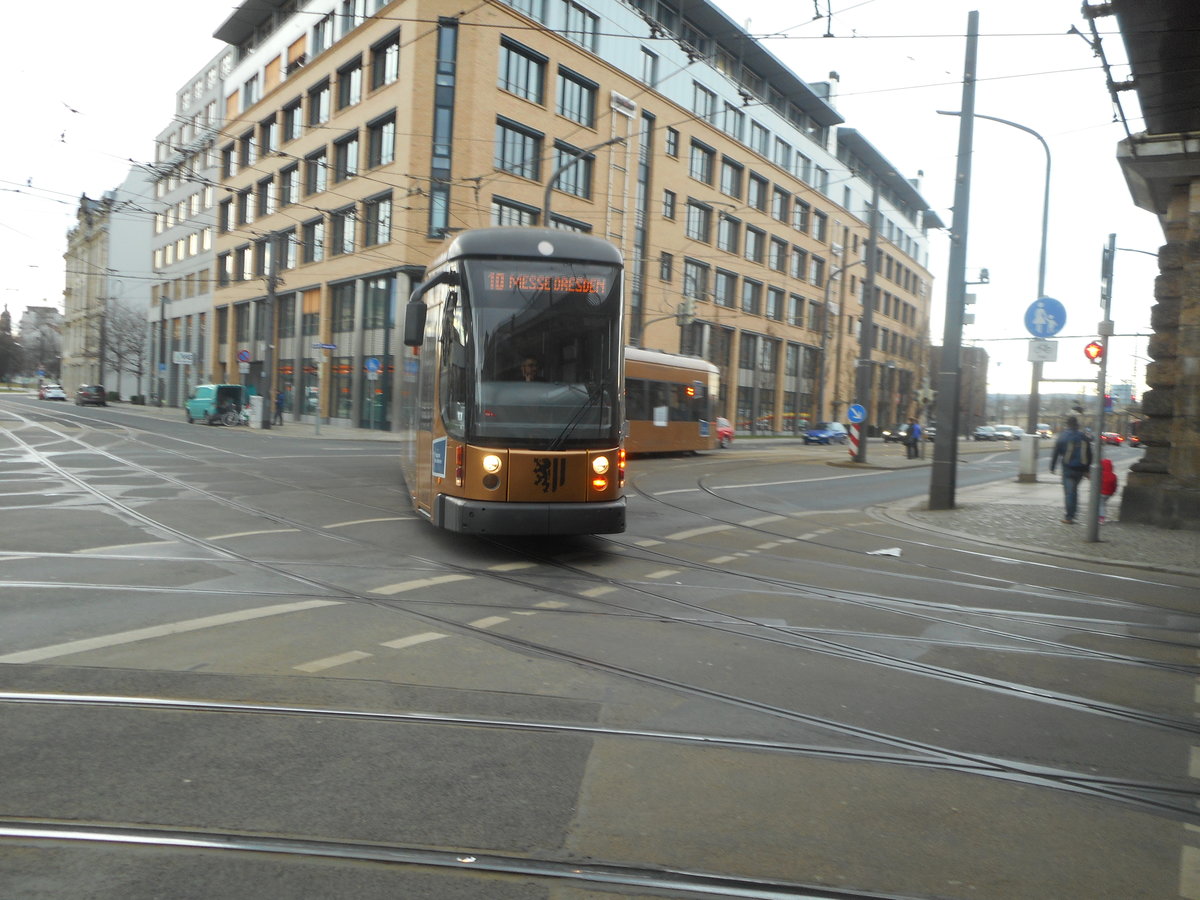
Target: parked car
x=52, y=392
x=1112, y=437
x=93, y=394
x=894, y=433
x=724, y=432
x=1009, y=432
x=826, y=433
x=1044, y=431
x=984, y=433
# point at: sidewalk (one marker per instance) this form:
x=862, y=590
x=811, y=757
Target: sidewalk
x=1029, y=516
x=1006, y=513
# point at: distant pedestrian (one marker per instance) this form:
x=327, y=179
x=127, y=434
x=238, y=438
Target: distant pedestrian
x=280, y=403
x=1074, y=449
x=912, y=439
x=1108, y=486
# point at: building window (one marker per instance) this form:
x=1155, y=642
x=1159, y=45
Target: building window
x=820, y=226
x=574, y=171
x=695, y=279
x=576, y=97
x=341, y=306
x=672, y=139
x=535, y=9
x=341, y=223
x=522, y=71
x=268, y=135
x=345, y=157
x=755, y=242
x=817, y=271
x=350, y=84
x=385, y=61
x=312, y=248
x=510, y=212
x=316, y=173
x=699, y=222
x=318, y=104
x=668, y=204
x=775, y=304
x=783, y=154
x=760, y=139
x=795, y=310
x=725, y=289
x=799, y=267
x=518, y=149
x=752, y=297
x=814, y=315
x=225, y=216
x=731, y=178
x=733, y=122
x=704, y=102
x=801, y=213
x=780, y=203
x=322, y=35
x=265, y=192
x=287, y=241
x=291, y=121
x=666, y=264
x=756, y=192
x=778, y=255
x=377, y=220
x=649, y=67
x=580, y=25
x=289, y=185
x=701, y=167
x=381, y=141
x=728, y=234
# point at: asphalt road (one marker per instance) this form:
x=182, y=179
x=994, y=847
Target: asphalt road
x=234, y=665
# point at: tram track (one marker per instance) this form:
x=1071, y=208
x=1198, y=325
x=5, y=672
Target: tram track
x=979, y=764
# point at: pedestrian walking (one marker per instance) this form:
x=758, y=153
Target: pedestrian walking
x=1108, y=486
x=912, y=439
x=280, y=402
x=1074, y=450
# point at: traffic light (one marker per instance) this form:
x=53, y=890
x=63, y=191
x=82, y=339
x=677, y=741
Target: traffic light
x=685, y=313
x=1094, y=351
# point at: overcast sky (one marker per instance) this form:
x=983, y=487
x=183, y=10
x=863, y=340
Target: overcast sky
x=92, y=109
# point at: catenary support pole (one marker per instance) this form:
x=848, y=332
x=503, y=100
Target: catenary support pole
x=945, y=446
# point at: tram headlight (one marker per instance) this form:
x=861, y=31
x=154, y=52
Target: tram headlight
x=491, y=463
x=600, y=465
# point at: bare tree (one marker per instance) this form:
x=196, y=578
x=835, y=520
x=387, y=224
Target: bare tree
x=126, y=342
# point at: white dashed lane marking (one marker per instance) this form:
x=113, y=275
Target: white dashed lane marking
x=157, y=631
x=417, y=583
x=329, y=662
x=413, y=640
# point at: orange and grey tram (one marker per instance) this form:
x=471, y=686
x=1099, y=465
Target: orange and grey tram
x=512, y=402
x=669, y=402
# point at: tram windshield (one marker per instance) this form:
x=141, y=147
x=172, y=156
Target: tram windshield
x=546, y=338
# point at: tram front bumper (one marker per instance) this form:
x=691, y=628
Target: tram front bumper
x=483, y=517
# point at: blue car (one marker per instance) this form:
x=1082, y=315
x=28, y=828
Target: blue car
x=826, y=433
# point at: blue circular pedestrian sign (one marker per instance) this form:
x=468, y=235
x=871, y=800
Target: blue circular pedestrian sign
x=1045, y=317
x=856, y=413
x=372, y=364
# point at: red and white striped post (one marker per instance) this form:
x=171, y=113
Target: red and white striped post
x=853, y=445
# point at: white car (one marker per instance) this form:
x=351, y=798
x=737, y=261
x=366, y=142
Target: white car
x=52, y=392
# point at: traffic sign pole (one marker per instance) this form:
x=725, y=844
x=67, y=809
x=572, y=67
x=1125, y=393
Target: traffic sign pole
x=857, y=414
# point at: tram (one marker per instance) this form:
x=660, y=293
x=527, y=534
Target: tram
x=669, y=402
x=512, y=402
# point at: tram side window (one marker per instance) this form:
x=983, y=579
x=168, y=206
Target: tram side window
x=453, y=380
x=635, y=399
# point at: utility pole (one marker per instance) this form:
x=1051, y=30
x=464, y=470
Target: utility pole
x=945, y=446
x=268, y=371
x=865, y=374
x=1106, y=330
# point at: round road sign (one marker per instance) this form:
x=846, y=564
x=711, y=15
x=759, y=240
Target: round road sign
x=856, y=413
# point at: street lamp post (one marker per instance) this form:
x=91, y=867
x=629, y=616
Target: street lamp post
x=822, y=379
x=162, y=346
x=1029, y=458
x=576, y=156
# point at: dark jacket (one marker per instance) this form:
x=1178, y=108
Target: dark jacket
x=1074, y=448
